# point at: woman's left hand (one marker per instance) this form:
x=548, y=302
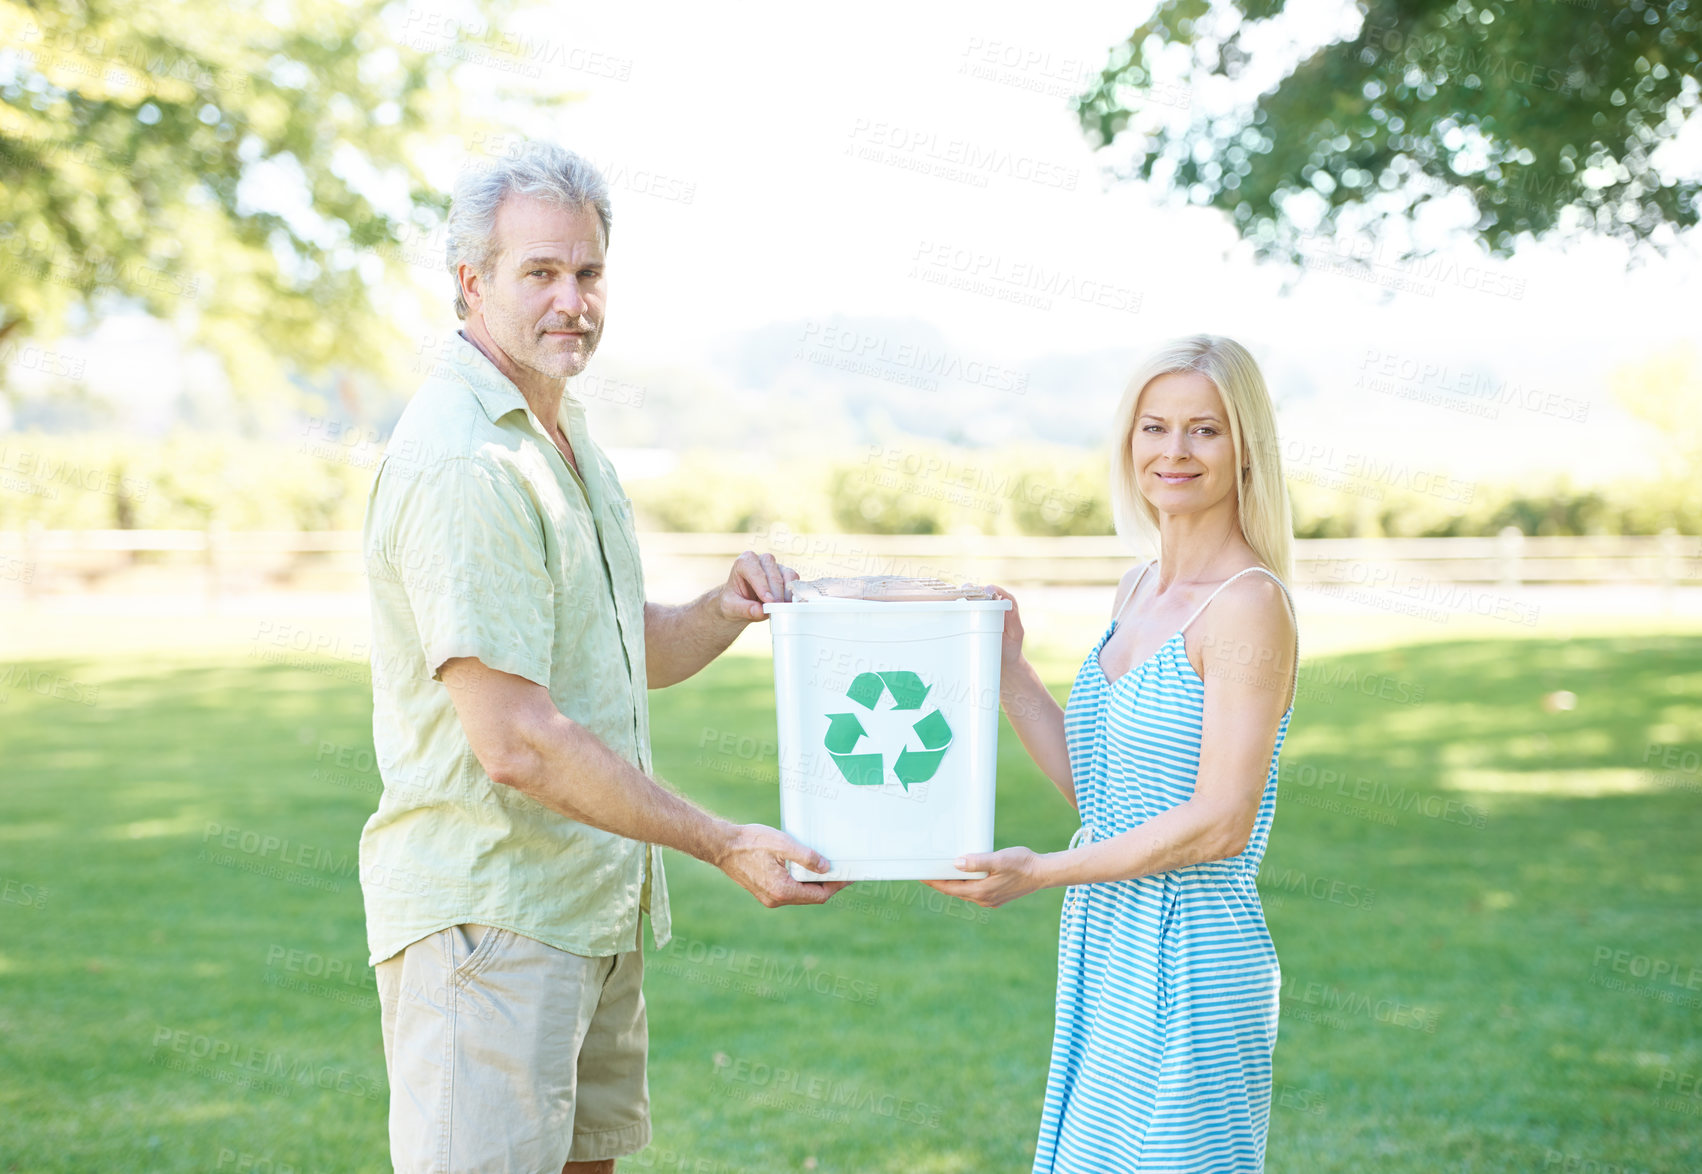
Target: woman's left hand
x=1011, y=873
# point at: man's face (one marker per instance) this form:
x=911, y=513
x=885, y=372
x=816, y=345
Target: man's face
x=542, y=301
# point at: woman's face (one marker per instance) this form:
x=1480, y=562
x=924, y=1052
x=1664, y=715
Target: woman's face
x=1183, y=457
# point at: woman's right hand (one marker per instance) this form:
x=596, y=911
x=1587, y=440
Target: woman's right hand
x=1010, y=650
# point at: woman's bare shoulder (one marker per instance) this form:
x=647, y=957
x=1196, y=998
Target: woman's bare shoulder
x=1126, y=585
x=1253, y=606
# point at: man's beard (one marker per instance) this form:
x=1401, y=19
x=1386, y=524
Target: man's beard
x=526, y=345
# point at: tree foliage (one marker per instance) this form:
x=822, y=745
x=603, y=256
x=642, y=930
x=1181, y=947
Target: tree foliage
x=217, y=168
x=1546, y=113
x=1664, y=389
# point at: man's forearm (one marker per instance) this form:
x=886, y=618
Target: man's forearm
x=570, y=770
x=680, y=639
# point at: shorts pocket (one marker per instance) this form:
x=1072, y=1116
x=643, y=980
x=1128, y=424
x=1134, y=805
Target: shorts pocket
x=489, y=945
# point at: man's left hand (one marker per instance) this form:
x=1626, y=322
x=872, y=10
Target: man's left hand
x=756, y=579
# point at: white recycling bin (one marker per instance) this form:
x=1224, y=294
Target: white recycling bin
x=888, y=718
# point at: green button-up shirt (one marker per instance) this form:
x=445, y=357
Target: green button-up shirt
x=481, y=541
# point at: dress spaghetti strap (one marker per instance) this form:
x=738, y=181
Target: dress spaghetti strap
x=1294, y=688
x=1133, y=587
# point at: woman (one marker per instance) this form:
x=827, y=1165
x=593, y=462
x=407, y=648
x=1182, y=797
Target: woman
x=1167, y=979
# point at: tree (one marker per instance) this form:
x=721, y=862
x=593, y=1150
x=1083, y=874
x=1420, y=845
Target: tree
x=1546, y=113
x=1664, y=389
x=218, y=169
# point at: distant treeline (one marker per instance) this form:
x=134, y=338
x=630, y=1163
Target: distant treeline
x=320, y=482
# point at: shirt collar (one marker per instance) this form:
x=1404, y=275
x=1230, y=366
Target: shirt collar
x=495, y=391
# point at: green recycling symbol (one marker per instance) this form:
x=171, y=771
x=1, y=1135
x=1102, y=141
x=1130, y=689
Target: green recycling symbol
x=844, y=731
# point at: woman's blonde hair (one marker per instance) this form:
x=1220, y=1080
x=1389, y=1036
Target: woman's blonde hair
x=1261, y=494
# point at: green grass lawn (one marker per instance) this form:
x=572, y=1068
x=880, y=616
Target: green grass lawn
x=1457, y=880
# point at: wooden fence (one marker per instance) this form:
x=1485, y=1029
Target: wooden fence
x=36, y=561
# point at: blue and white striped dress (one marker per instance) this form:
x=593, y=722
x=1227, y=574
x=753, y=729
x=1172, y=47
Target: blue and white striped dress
x=1167, y=984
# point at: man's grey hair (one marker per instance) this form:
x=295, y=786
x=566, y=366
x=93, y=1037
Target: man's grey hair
x=533, y=168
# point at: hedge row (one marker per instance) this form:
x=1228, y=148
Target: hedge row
x=320, y=483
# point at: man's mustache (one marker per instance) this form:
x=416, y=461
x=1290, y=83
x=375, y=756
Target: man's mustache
x=582, y=325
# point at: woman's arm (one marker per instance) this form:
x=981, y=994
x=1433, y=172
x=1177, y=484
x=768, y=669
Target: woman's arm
x=1034, y=713
x=1245, y=655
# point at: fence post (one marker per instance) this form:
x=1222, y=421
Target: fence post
x=215, y=556
x=1671, y=570
x=32, y=558
x=1509, y=545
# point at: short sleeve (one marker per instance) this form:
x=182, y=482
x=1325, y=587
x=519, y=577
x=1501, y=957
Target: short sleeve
x=468, y=549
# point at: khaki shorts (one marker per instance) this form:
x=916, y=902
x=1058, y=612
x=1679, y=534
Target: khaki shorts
x=507, y=1055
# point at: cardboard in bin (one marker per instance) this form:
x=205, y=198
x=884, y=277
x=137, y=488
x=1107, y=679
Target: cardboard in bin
x=888, y=716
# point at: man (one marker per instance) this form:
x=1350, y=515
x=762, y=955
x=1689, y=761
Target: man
x=518, y=838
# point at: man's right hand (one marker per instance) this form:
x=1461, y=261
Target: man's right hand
x=755, y=857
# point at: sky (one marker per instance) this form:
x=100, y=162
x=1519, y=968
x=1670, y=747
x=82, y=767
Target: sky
x=781, y=163
x=777, y=162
